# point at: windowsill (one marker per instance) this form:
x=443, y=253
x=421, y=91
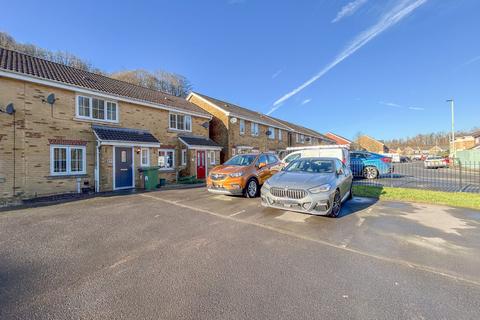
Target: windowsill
x=67, y=176
x=167, y=170
x=95, y=120
x=178, y=130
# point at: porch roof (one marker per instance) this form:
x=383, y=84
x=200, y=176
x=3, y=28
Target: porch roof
x=193, y=142
x=113, y=135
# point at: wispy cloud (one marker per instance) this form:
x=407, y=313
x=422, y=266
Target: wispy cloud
x=396, y=105
x=277, y=73
x=306, y=101
x=473, y=60
x=349, y=9
x=391, y=104
x=388, y=20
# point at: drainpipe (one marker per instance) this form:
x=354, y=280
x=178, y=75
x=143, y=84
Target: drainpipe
x=97, y=167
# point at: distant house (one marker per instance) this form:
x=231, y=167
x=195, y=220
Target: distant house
x=476, y=135
x=465, y=142
x=372, y=145
x=408, y=151
x=435, y=151
x=338, y=139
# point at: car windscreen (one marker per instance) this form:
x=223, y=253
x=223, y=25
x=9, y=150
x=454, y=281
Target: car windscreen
x=311, y=166
x=241, y=160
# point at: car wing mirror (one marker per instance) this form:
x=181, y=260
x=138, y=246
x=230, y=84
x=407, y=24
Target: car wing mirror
x=261, y=165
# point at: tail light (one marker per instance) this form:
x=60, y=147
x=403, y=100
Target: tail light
x=344, y=161
x=386, y=159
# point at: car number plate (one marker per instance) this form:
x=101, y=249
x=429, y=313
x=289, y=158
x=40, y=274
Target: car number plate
x=217, y=185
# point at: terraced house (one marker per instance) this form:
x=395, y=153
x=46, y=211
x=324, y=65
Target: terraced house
x=68, y=130
x=241, y=130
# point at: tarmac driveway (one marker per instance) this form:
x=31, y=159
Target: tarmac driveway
x=192, y=255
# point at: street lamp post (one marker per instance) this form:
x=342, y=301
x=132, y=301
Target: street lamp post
x=452, y=106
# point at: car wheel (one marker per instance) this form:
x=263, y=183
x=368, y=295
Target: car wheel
x=336, y=205
x=251, y=190
x=370, y=173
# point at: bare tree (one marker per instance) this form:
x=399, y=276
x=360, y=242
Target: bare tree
x=164, y=81
x=167, y=82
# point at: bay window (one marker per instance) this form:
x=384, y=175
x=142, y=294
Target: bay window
x=67, y=160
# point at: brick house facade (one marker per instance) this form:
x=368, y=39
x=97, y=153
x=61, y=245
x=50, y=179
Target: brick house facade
x=372, y=145
x=54, y=148
x=240, y=130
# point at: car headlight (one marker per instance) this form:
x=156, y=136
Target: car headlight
x=266, y=185
x=322, y=188
x=235, y=174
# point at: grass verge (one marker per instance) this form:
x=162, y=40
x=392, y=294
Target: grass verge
x=454, y=199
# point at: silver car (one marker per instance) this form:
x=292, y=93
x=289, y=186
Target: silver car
x=316, y=186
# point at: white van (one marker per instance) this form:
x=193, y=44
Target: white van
x=332, y=151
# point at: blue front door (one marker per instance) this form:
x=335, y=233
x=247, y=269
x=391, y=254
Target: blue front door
x=123, y=168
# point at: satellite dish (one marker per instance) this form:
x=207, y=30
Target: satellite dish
x=307, y=139
x=268, y=132
x=233, y=120
x=51, y=98
x=205, y=125
x=10, y=109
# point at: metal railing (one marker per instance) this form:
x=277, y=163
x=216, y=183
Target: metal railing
x=454, y=176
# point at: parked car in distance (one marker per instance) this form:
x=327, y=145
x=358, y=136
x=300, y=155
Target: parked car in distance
x=333, y=151
x=316, y=186
x=369, y=165
x=405, y=159
x=243, y=174
x=435, y=162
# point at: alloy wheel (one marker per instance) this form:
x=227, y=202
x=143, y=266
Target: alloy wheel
x=252, y=189
x=336, y=205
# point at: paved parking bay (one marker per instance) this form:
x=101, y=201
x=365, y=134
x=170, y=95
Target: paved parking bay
x=414, y=175
x=191, y=255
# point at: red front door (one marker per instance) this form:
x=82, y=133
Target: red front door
x=201, y=164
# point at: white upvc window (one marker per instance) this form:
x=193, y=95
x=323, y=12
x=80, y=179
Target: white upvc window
x=242, y=126
x=67, y=160
x=166, y=159
x=302, y=138
x=297, y=138
x=145, y=157
x=280, y=135
x=180, y=122
x=96, y=109
x=211, y=156
x=271, y=131
x=254, y=129
x=184, y=157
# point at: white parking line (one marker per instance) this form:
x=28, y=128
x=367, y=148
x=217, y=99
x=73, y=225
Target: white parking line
x=403, y=263
x=234, y=214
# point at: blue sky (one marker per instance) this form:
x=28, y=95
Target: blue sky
x=399, y=59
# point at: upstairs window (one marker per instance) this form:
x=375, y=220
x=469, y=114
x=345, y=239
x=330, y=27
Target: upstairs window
x=271, y=132
x=280, y=135
x=302, y=138
x=96, y=109
x=180, y=122
x=254, y=129
x=297, y=138
x=242, y=126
